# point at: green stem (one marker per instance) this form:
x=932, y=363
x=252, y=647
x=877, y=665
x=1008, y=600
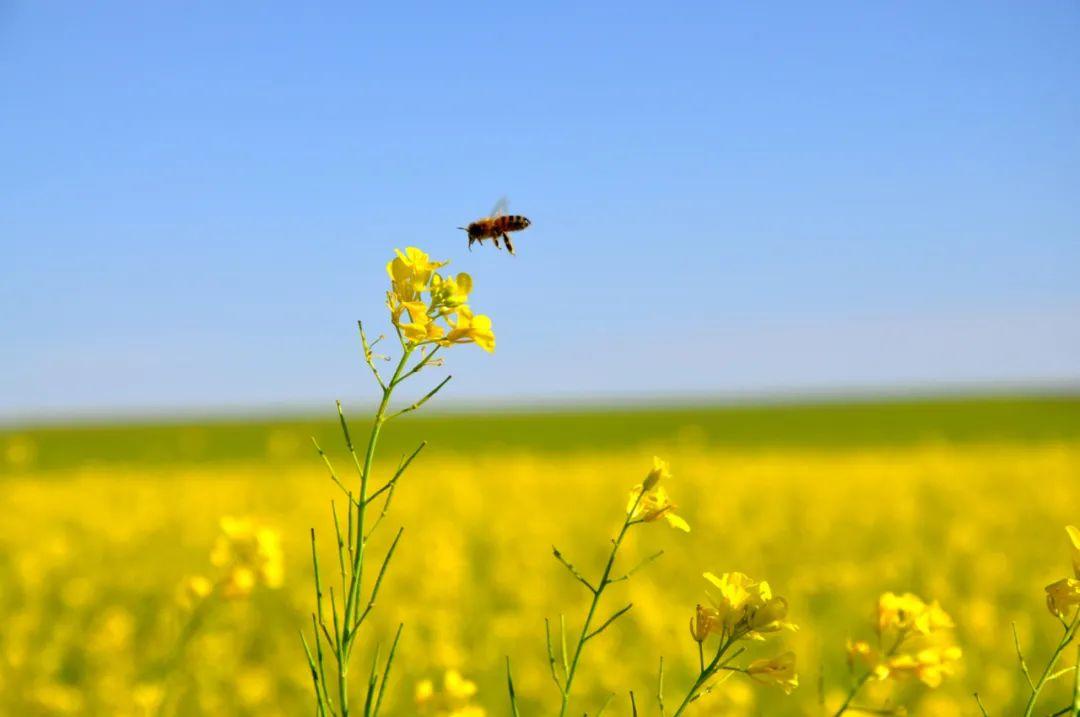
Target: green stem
x=900, y=637
x=352, y=600
x=851, y=695
x=1076, y=685
x=706, y=672
x=605, y=580
x=1070, y=633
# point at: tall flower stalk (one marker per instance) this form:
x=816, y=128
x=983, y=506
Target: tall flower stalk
x=648, y=502
x=429, y=312
x=1063, y=602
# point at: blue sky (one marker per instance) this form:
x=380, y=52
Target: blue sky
x=198, y=199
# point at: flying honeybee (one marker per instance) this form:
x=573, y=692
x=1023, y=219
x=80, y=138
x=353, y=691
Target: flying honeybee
x=498, y=225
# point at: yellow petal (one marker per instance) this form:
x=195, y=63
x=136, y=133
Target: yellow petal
x=676, y=522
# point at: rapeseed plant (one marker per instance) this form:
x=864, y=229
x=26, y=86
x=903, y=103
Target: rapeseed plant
x=740, y=609
x=648, y=502
x=913, y=641
x=1063, y=602
x=419, y=299
x=246, y=555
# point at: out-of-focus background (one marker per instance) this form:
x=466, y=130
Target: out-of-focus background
x=823, y=258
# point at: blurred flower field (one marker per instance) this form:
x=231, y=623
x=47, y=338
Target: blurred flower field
x=177, y=581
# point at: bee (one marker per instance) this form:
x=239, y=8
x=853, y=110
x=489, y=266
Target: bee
x=497, y=225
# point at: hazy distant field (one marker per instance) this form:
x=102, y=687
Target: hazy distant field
x=959, y=500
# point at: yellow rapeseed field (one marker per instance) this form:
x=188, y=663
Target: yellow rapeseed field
x=94, y=564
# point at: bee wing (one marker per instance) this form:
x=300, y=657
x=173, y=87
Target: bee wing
x=500, y=207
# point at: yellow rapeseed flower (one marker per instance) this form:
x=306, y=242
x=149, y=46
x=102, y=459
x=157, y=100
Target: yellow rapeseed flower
x=410, y=271
x=249, y=554
x=908, y=613
x=778, y=671
x=1063, y=596
x=860, y=651
x=745, y=608
x=704, y=623
x=412, y=275
x=194, y=590
x=467, y=328
x=457, y=687
x=649, y=500
x=453, y=700
x=930, y=665
x=424, y=691
x=1074, y=538
x=450, y=292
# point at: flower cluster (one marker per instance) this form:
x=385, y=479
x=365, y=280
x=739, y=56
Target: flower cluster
x=743, y=609
x=649, y=500
x=453, y=700
x=912, y=641
x=1063, y=595
x=249, y=555
x=419, y=298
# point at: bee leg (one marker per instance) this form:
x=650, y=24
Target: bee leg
x=496, y=240
x=471, y=240
x=509, y=246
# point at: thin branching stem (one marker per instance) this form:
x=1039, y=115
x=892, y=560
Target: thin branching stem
x=1020, y=658
x=1066, y=638
x=510, y=688
x=1076, y=685
x=551, y=654
x=348, y=610
x=865, y=677
x=709, y=671
x=386, y=670
x=660, y=687
x=597, y=593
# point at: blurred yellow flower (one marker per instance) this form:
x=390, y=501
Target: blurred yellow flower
x=778, y=671
x=860, y=651
x=193, y=589
x=147, y=697
x=1074, y=538
x=660, y=471
x=1062, y=596
x=457, y=687
x=249, y=554
x=453, y=700
x=930, y=665
x=908, y=612
x=649, y=500
x=424, y=691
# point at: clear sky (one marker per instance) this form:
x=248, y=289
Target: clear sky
x=197, y=199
